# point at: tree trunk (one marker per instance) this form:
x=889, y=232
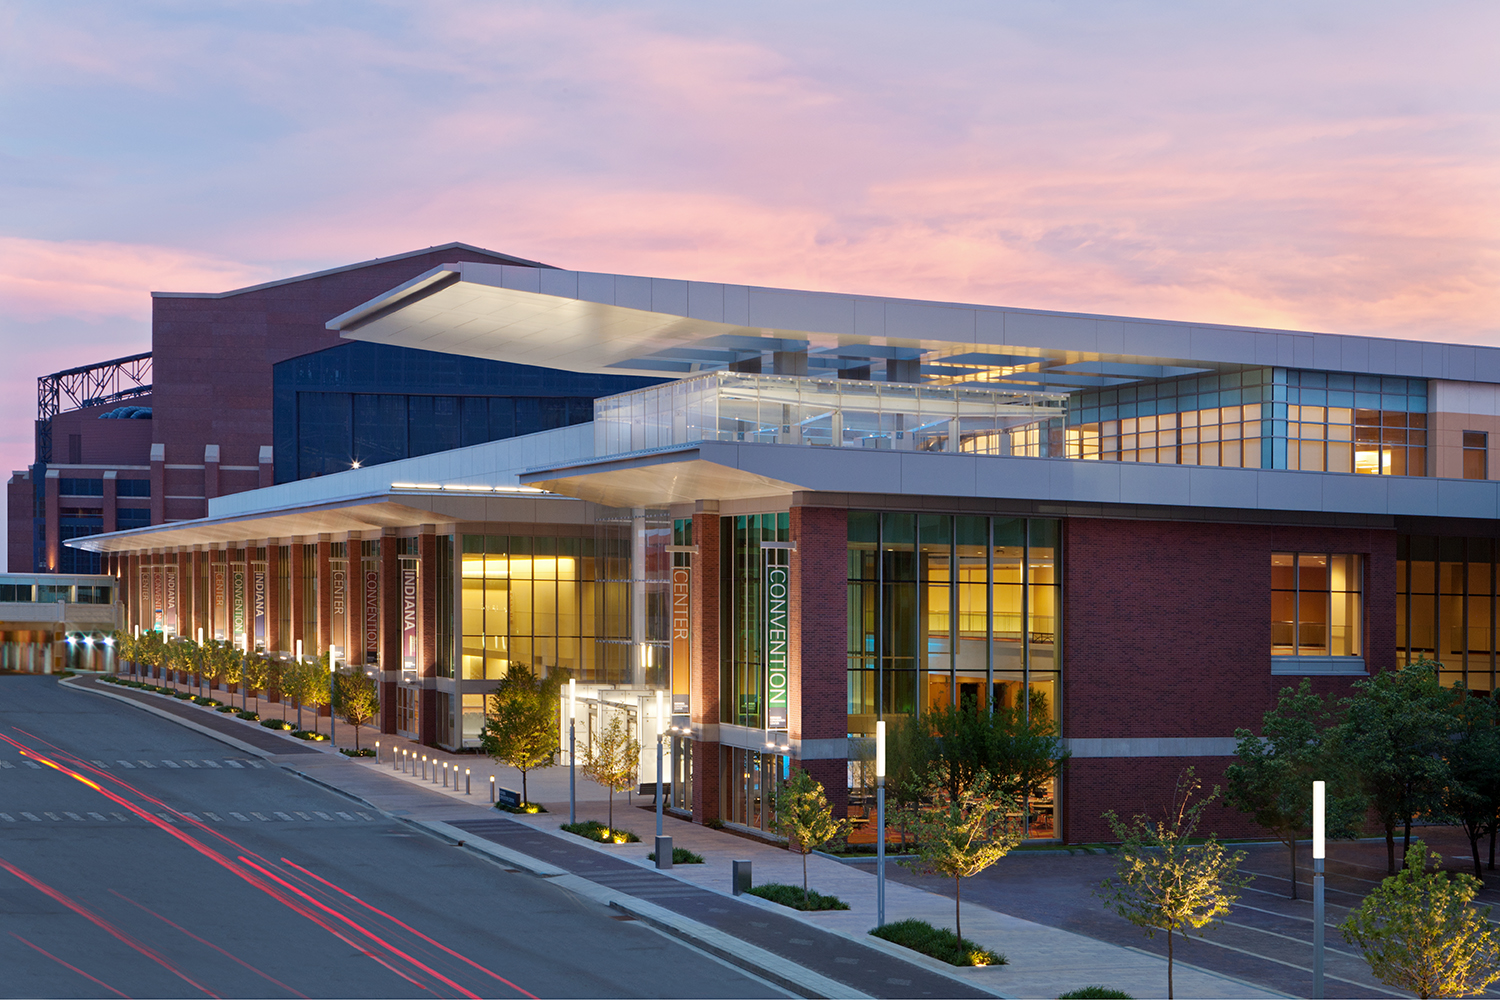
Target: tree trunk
x=1474, y=845
x=524, y=799
x=611, y=808
x=1294, y=867
x=1406, y=843
x=1494, y=825
x=958, y=913
x=805, y=900
x=1390, y=848
x=1169, y=964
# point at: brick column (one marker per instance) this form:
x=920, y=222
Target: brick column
x=131, y=591
x=390, y=631
x=182, y=559
x=108, y=509
x=325, y=595
x=273, y=599
x=705, y=646
x=818, y=684
x=299, y=601
x=210, y=472
x=52, y=552
x=427, y=708
x=158, y=483
x=196, y=619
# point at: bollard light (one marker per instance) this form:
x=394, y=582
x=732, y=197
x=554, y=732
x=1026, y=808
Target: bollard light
x=572, y=750
x=492, y=789
x=1319, y=818
x=663, y=843
x=880, y=823
x=468, y=784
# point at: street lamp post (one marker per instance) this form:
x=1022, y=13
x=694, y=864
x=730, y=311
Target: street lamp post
x=572, y=751
x=333, y=691
x=663, y=844
x=1318, y=847
x=880, y=823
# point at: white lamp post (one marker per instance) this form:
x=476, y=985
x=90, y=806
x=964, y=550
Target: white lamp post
x=880, y=823
x=572, y=751
x=663, y=844
x=333, y=680
x=1319, y=791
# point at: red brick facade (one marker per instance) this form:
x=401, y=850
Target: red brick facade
x=819, y=610
x=1167, y=634
x=705, y=678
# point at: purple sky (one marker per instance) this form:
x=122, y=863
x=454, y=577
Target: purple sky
x=1328, y=166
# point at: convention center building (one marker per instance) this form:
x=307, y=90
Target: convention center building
x=798, y=513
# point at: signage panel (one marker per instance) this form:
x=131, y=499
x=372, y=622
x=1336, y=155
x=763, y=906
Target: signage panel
x=258, y=605
x=169, y=601
x=158, y=616
x=682, y=646
x=218, y=600
x=338, y=605
x=408, y=617
x=777, y=591
x=372, y=616
x=237, y=613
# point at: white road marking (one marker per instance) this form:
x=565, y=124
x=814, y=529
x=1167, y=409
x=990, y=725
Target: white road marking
x=33, y=764
x=120, y=817
x=240, y=817
x=98, y=816
x=234, y=763
x=345, y=816
x=262, y=818
x=52, y=816
x=214, y=816
x=73, y=816
x=171, y=763
x=146, y=763
x=323, y=815
x=283, y=816
x=34, y=819
x=100, y=764
x=191, y=763
x=6, y=763
x=125, y=763
x=7, y=817
x=211, y=763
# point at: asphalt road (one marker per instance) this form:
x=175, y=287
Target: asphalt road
x=138, y=858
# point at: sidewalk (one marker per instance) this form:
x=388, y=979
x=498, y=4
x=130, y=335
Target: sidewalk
x=834, y=945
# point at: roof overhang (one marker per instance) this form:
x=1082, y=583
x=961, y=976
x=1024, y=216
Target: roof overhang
x=608, y=323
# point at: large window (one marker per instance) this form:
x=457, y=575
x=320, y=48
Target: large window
x=953, y=610
x=1445, y=606
x=742, y=598
x=1316, y=608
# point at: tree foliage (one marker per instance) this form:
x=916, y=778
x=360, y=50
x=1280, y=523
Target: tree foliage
x=359, y=699
x=521, y=727
x=1419, y=933
x=805, y=817
x=1165, y=882
x=961, y=833
x=1020, y=750
x=1472, y=754
x=612, y=759
x=1396, y=727
x=1273, y=779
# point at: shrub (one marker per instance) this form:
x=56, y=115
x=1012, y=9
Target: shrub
x=226, y=708
x=179, y=695
x=199, y=700
x=1095, y=993
x=793, y=895
x=312, y=737
x=938, y=942
x=683, y=856
x=714, y=824
x=249, y=716
x=524, y=809
x=367, y=752
x=280, y=724
x=596, y=831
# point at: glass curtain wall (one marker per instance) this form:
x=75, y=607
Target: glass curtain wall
x=1261, y=418
x=953, y=610
x=741, y=597
x=1445, y=606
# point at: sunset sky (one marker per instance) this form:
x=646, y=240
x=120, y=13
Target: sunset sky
x=1328, y=166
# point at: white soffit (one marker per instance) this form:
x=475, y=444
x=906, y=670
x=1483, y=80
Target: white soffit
x=607, y=323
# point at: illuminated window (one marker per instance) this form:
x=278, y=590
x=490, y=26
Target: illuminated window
x=1476, y=455
x=1316, y=608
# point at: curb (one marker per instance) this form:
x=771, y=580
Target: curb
x=188, y=723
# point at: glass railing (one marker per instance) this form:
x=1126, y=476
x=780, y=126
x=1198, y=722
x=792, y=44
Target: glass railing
x=831, y=413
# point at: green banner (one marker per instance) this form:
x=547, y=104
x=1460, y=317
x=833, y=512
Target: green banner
x=778, y=589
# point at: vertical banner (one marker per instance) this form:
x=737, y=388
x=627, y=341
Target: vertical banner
x=158, y=615
x=169, y=601
x=408, y=617
x=338, y=608
x=219, y=604
x=237, y=606
x=778, y=589
x=372, y=616
x=258, y=605
x=682, y=646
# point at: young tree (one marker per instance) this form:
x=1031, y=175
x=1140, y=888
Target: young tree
x=960, y=834
x=1419, y=933
x=359, y=699
x=805, y=818
x=1472, y=795
x=256, y=671
x=298, y=679
x=1163, y=881
x=521, y=729
x=316, y=686
x=612, y=759
x=1273, y=779
x=1395, y=729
